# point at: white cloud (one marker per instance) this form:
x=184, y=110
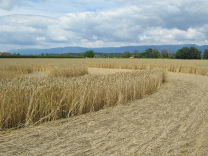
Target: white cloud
x=136, y=22
x=144, y=37
x=7, y=4
x=28, y=20
x=40, y=38
x=10, y=4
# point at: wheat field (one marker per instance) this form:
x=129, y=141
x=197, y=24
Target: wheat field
x=167, y=119
x=52, y=89
x=199, y=67
x=37, y=90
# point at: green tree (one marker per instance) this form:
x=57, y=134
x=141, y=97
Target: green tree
x=89, y=53
x=185, y=52
x=152, y=53
x=164, y=53
x=205, y=55
x=113, y=55
x=127, y=54
x=155, y=53
x=143, y=55
x=171, y=54
x=148, y=53
x=188, y=53
x=182, y=53
x=178, y=54
x=104, y=55
x=68, y=54
x=79, y=55
x=136, y=53
x=194, y=53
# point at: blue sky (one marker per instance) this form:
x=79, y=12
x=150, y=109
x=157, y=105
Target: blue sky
x=103, y=23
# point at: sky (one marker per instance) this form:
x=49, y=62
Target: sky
x=101, y=23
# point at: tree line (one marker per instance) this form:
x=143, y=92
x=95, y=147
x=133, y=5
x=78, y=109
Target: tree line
x=184, y=53
x=46, y=55
x=149, y=53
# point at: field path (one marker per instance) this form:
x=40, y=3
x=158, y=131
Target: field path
x=173, y=121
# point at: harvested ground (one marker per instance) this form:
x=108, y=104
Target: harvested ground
x=36, y=74
x=94, y=71
x=102, y=71
x=173, y=121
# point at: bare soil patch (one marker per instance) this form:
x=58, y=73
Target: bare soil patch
x=172, y=121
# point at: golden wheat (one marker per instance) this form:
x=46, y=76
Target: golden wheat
x=67, y=72
x=186, y=66
x=171, y=68
x=12, y=71
x=27, y=100
x=31, y=100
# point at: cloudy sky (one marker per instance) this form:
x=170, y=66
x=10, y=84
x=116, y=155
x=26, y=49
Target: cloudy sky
x=101, y=23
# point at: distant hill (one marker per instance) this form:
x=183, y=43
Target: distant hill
x=50, y=51
x=173, y=48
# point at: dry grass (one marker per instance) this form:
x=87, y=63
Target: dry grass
x=31, y=100
x=12, y=71
x=172, y=121
x=67, y=72
x=186, y=66
x=51, y=71
x=172, y=68
x=28, y=100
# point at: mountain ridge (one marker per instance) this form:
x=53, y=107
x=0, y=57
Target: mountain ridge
x=59, y=50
